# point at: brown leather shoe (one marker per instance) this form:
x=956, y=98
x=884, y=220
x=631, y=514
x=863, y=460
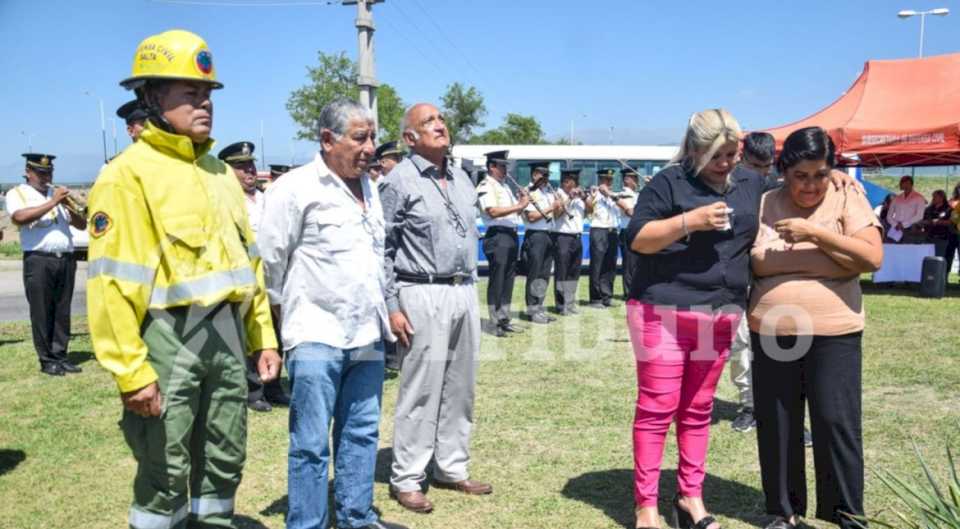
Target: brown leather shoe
x=415, y=501
x=466, y=486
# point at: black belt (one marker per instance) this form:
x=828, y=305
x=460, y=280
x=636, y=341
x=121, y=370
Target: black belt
x=495, y=229
x=604, y=229
x=432, y=280
x=56, y=255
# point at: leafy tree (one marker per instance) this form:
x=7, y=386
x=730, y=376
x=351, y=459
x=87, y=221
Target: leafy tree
x=517, y=129
x=335, y=76
x=464, y=110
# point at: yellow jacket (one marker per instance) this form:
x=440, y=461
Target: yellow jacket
x=168, y=228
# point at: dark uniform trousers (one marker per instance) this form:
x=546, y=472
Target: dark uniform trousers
x=829, y=376
x=256, y=389
x=500, y=247
x=629, y=262
x=566, y=272
x=603, y=263
x=538, y=254
x=48, y=281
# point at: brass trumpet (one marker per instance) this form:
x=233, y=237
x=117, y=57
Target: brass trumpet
x=75, y=207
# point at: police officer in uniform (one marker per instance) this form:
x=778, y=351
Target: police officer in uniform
x=44, y=214
x=537, y=251
x=626, y=200
x=388, y=155
x=603, y=240
x=134, y=116
x=175, y=294
x=500, y=212
x=277, y=170
x=239, y=156
x=567, y=235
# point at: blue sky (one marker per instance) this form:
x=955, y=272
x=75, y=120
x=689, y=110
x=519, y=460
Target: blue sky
x=638, y=66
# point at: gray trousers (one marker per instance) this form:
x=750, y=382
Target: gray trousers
x=434, y=415
x=740, y=359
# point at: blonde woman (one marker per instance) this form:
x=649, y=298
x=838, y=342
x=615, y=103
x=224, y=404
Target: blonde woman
x=693, y=226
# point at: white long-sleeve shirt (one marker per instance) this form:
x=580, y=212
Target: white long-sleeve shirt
x=906, y=210
x=323, y=259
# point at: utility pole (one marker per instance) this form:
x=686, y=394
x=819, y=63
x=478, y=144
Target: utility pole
x=367, y=72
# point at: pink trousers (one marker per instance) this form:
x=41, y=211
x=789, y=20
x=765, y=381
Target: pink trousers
x=680, y=357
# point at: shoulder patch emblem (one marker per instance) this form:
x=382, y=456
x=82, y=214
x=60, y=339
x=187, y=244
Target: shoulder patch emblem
x=100, y=224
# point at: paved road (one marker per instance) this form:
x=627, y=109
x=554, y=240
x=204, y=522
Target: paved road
x=13, y=302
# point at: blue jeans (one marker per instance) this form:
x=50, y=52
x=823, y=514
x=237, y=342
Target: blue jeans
x=343, y=386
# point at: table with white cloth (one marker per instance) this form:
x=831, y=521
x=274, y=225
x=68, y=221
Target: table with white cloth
x=902, y=263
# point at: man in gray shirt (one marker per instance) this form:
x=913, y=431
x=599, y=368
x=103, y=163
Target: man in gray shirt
x=429, y=207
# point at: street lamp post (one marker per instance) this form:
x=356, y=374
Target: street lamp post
x=103, y=124
x=29, y=136
x=572, y=128
x=907, y=13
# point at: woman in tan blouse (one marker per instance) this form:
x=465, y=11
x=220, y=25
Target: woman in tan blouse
x=806, y=321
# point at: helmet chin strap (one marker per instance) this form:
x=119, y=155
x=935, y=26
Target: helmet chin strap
x=148, y=102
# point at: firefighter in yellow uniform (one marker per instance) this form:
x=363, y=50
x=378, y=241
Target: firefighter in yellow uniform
x=175, y=294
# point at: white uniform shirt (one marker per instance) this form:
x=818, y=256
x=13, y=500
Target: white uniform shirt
x=51, y=232
x=572, y=221
x=907, y=210
x=255, y=209
x=605, y=212
x=493, y=194
x=323, y=259
x=631, y=198
x=544, y=201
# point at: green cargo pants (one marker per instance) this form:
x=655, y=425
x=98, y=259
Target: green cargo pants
x=198, y=443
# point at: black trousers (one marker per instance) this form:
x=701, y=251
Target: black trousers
x=256, y=389
x=538, y=254
x=48, y=282
x=628, y=261
x=500, y=247
x=603, y=263
x=947, y=248
x=566, y=271
x=829, y=377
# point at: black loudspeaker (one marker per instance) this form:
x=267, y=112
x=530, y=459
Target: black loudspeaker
x=933, y=281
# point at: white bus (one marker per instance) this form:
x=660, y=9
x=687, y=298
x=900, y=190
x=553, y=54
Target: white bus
x=646, y=159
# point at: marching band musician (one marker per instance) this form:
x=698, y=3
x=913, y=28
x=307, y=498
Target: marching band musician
x=603, y=241
x=537, y=252
x=567, y=233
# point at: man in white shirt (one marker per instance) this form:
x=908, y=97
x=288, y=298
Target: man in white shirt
x=40, y=211
x=626, y=200
x=321, y=241
x=567, y=232
x=500, y=212
x=537, y=252
x=603, y=240
x=239, y=156
x=906, y=212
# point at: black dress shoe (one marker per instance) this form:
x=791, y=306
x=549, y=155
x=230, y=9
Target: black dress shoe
x=67, y=367
x=260, y=405
x=279, y=399
x=508, y=327
x=782, y=523
x=53, y=370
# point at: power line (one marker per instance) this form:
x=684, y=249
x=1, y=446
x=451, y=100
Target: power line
x=413, y=43
x=447, y=38
x=255, y=3
x=412, y=22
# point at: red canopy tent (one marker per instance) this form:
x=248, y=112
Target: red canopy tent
x=897, y=113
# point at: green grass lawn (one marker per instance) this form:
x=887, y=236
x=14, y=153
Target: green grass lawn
x=553, y=429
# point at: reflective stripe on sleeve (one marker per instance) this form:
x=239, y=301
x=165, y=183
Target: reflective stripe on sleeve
x=121, y=270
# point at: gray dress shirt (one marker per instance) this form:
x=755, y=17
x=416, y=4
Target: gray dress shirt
x=427, y=235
